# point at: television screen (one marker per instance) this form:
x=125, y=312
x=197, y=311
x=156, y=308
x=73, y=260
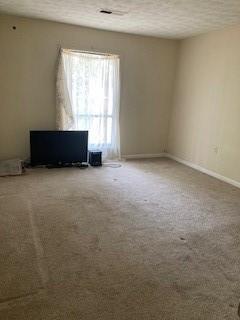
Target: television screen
x=58, y=147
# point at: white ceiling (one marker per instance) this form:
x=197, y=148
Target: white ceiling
x=161, y=18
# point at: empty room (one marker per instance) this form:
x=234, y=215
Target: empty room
x=119, y=160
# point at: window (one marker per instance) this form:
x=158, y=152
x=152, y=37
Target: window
x=88, y=95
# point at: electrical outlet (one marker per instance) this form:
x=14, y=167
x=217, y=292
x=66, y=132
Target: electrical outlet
x=216, y=149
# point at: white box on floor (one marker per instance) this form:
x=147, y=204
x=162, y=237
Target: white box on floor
x=11, y=167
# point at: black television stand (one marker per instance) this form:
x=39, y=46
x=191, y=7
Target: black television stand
x=67, y=165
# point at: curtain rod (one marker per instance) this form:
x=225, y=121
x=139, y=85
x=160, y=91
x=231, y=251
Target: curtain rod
x=90, y=52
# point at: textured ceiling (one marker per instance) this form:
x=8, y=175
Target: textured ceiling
x=161, y=18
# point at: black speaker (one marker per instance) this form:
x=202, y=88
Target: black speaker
x=95, y=158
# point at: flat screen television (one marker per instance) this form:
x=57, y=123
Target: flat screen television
x=58, y=147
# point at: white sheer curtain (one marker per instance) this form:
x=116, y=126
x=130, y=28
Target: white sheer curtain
x=88, y=95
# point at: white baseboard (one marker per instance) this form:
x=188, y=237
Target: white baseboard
x=185, y=162
x=144, y=156
x=203, y=170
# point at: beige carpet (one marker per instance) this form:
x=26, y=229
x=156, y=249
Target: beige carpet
x=150, y=240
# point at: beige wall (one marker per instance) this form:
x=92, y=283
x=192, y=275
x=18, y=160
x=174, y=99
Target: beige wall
x=205, y=116
x=205, y=121
x=27, y=82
